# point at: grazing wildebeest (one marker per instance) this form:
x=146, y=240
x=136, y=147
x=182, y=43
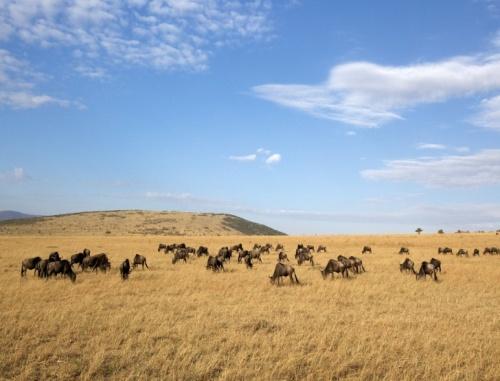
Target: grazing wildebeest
x=404, y=250
x=78, y=258
x=225, y=253
x=94, y=262
x=125, y=269
x=445, y=250
x=303, y=257
x=29, y=264
x=279, y=247
x=436, y=263
x=242, y=254
x=357, y=264
x=41, y=268
x=310, y=247
x=180, y=255
x=462, y=253
x=140, y=260
x=161, y=247
x=334, y=266
x=301, y=250
x=282, y=257
x=283, y=270
x=407, y=266
x=491, y=250
x=236, y=248
x=321, y=248
x=53, y=257
x=427, y=268
x=191, y=250
x=266, y=248
x=366, y=249
x=215, y=263
x=349, y=264
x=202, y=250
x=62, y=267
x=475, y=253
x=248, y=261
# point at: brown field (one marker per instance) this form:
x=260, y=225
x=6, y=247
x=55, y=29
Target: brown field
x=182, y=322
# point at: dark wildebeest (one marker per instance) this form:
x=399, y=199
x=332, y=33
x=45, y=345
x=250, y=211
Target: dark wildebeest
x=445, y=250
x=301, y=250
x=303, y=257
x=236, y=248
x=462, y=253
x=202, y=250
x=256, y=246
x=407, y=266
x=491, y=250
x=366, y=249
x=54, y=257
x=255, y=254
x=29, y=264
x=248, y=261
x=357, y=263
x=334, y=266
x=125, y=269
x=475, y=253
x=225, y=253
x=242, y=254
x=140, y=260
x=349, y=264
x=310, y=247
x=279, y=247
x=282, y=270
x=427, y=268
x=161, y=247
x=321, y=248
x=41, y=268
x=78, y=258
x=215, y=263
x=404, y=250
x=94, y=262
x=180, y=255
x=191, y=250
x=436, y=263
x=62, y=267
x=266, y=248
x=282, y=257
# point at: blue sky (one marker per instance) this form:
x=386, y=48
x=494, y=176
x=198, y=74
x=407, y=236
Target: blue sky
x=309, y=116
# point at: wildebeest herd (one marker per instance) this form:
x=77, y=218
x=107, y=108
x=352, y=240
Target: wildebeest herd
x=54, y=265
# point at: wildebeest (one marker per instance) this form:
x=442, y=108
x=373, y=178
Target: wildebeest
x=321, y=248
x=215, y=263
x=78, y=257
x=348, y=263
x=94, y=262
x=266, y=248
x=236, y=248
x=407, y=265
x=29, y=264
x=404, y=250
x=445, y=250
x=180, y=255
x=334, y=266
x=282, y=257
x=41, y=268
x=125, y=269
x=282, y=270
x=62, y=267
x=436, y=263
x=366, y=250
x=475, y=253
x=357, y=264
x=54, y=257
x=305, y=256
x=462, y=253
x=248, y=261
x=256, y=246
x=491, y=250
x=310, y=247
x=225, y=253
x=202, y=250
x=140, y=260
x=161, y=247
x=279, y=247
x=253, y=254
x=426, y=268
x=242, y=254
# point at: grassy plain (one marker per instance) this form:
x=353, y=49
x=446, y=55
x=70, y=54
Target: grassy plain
x=182, y=322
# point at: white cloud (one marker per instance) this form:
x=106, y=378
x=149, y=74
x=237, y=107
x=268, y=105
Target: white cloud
x=368, y=95
x=15, y=175
x=273, y=159
x=482, y=168
x=164, y=34
x=431, y=146
x=489, y=114
x=250, y=157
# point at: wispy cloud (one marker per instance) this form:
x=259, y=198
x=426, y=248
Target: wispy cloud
x=16, y=175
x=431, y=146
x=268, y=156
x=273, y=159
x=489, y=114
x=367, y=94
x=482, y=168
x=250, y=157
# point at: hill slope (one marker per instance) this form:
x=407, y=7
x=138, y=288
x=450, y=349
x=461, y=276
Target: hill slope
x=126, y=222
x=13, y=215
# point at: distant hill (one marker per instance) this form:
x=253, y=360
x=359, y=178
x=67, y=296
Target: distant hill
x=131, y=222
x=13, y=215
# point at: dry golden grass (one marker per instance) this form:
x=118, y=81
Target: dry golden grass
x=182, y=322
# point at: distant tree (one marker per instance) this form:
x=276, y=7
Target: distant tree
x=419, y=230
x=440, y=231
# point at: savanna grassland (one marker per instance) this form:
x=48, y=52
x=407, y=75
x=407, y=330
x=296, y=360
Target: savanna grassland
x=182, y=322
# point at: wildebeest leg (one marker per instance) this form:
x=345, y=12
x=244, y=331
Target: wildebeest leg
x=146, y=264
x=22, y=270
x=435, y=276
